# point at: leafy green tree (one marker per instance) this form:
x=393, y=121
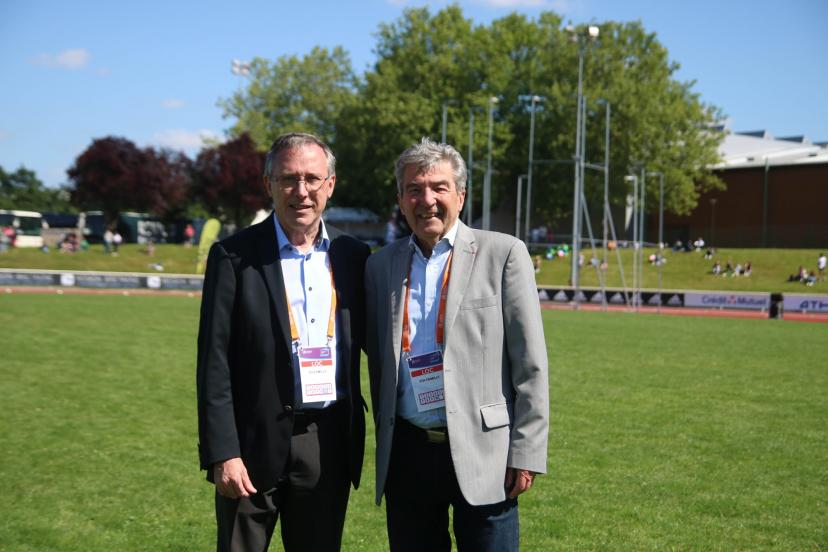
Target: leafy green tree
x=23, y=190
x=426, y=61
x=293, y=94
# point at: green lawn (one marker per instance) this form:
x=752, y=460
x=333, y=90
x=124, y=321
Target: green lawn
x=771, y=267
x=683, y=271
x=176, y=259
x=667, y=433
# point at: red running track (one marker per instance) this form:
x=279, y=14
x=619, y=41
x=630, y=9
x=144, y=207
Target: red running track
x=548, y=305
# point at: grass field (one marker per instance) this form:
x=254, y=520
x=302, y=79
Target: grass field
x=667, y=433
x=771, y=267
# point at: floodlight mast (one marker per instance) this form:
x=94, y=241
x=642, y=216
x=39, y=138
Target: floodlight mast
x=581, y=38
x=634, y=179
x=487, y=182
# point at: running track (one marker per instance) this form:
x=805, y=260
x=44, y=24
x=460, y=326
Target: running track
x=548, y=305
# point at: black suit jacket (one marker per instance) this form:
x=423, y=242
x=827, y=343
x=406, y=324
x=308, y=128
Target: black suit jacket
x=244, y=375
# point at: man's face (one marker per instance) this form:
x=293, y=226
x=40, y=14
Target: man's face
x=297, y=208
x=430, y=201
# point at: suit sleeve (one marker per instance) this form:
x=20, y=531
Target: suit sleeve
x=218, y=439
x=526, y=348
x=372, y=335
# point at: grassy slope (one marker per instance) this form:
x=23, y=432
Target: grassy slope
x=771, y=267
x=667, y=433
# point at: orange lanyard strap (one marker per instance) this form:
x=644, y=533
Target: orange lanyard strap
x=294, y=332
x=441, y=311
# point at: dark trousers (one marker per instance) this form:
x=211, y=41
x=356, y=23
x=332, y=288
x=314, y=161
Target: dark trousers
x=311, y=497
x=420, y=488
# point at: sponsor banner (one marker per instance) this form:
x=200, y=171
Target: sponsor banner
x=714, y=300
x=28, y=279
x=806, y=303
x=108, y=281
x=193, y=284
x=100, y=280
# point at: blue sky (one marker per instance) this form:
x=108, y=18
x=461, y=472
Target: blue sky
x=152, y=71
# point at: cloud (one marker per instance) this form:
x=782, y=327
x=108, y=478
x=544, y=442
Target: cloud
x=172, y=103
x=76, y=58
x=186, y=140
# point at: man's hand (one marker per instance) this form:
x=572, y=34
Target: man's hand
x=232, y=480
x=518, y=481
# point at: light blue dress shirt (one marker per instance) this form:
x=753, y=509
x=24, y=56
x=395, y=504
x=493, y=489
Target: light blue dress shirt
x=307, y=280
x=423, y=305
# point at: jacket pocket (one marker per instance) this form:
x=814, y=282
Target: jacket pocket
x=479, y=303
x=495, y=415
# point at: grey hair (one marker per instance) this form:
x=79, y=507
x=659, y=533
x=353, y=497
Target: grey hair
x=293, y=140
x=425, y=155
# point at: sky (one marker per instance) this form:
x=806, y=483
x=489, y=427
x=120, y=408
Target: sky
x=152, y=72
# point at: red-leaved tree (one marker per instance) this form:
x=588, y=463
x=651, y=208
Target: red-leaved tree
x=114, y=175
x=228, y=180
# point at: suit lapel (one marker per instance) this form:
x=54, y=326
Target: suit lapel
x=338, y=258
x=465, y=250
x=268, y=250
x=398, y=280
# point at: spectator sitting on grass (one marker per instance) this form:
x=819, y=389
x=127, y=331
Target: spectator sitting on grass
x=738, y=270
x=748, y=269
x=717, y=268
x=822, y=261
x=811, y=279
x=728, y=270
x=708, y=254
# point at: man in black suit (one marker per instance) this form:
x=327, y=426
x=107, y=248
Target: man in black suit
x=280, y=413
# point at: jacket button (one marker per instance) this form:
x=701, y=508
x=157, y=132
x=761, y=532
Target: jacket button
x=288, y=408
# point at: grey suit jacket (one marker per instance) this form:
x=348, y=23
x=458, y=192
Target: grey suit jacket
x=495, y=366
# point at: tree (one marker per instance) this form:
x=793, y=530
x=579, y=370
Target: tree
x=23, y=190
x=114, y=175
x=293, y=95
x=228, y=180
x=427, y=61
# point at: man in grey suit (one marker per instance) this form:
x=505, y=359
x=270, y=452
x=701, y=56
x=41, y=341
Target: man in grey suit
x=457, y=360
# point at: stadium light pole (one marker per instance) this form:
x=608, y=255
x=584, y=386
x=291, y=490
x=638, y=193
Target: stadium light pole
x=517, y=204
x=535, y=99
x=660, y=257
x=470, y=170
x=444, y=125
x=587, y=34
x=240, y=68
x=606, y=176
x=634, y=179
x=487, y=183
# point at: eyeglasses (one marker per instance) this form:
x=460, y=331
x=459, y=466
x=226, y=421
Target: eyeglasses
x=289, y=183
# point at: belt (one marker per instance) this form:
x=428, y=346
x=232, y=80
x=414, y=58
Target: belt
x=436, y=435
x=313, y=414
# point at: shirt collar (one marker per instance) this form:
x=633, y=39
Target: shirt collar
x=446, y=242
x=322, y=241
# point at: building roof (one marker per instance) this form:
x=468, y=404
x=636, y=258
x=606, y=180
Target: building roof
x=757, y=148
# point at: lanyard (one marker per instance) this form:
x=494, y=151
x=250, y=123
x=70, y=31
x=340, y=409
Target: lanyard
x=294, y=332
x=441, y=311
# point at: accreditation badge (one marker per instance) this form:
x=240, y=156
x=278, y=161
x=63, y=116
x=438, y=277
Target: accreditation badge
x=317, y=372
x=426, y=373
